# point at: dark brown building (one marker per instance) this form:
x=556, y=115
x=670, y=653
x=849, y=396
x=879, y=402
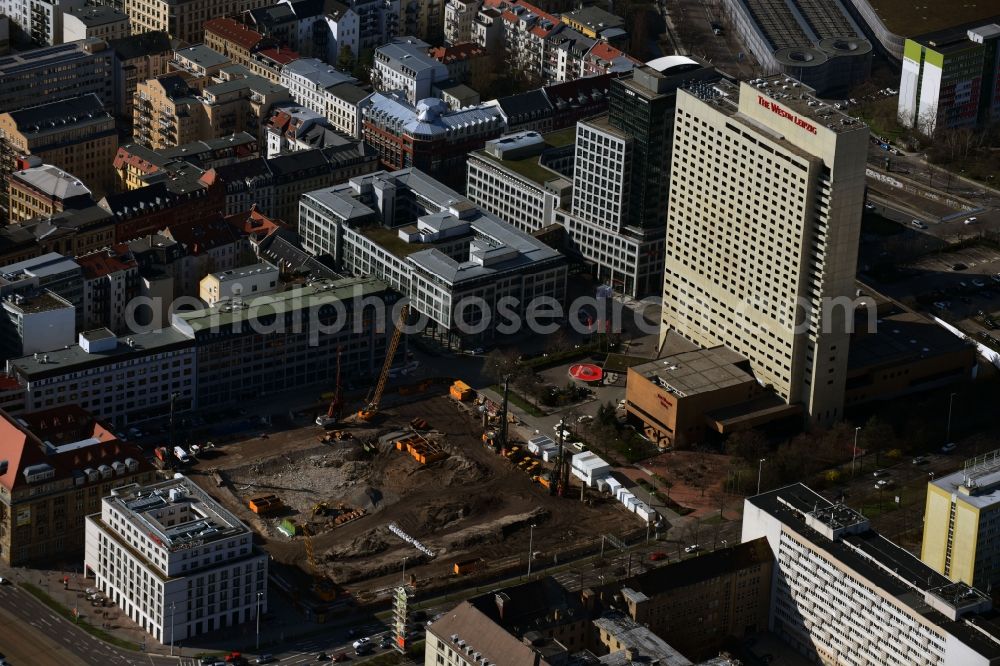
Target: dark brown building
x=697, y=604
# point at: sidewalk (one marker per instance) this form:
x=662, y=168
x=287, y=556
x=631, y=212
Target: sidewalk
x=286, y=623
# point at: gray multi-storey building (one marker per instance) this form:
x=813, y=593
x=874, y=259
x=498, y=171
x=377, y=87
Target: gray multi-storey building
x=607, y=185
x=434, y=246
x=57, y=72
x=236, y=350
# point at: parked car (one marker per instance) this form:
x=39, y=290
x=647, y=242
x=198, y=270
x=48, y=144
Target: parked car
x=879, y=473
x=265, y=659
x=958, y=267
x=971, y=220
x=693, y=548
x=948, y=448
x=4, y=581
x=657, y=556
x=869, y=205
x=978, y=283
x=918, y=224
x=920, y=460
x=883, y=483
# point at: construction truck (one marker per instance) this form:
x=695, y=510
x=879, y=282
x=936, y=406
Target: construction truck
x=368, y=412
x=461, y=391
x=264, y=505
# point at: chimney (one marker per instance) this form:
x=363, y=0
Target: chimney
x=503, y=600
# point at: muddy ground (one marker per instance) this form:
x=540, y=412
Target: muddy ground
x=473, y=504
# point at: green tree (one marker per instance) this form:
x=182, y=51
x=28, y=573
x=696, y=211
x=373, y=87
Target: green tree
x=607, y=414
x=750, y=445
x=500, y=364
x=876, y=435
x=345, y=60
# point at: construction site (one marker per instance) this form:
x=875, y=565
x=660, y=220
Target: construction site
x=431, y=480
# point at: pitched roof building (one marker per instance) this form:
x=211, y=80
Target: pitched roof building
x=47, y=458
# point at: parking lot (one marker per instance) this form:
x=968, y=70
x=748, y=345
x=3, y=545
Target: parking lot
x=691, y=25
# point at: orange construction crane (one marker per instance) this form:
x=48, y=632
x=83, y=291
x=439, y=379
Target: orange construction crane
x=368, y=412
x=333, y=413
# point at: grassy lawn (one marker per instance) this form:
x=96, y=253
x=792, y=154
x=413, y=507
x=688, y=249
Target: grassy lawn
x=519, y=400
x=390, y=240
x=83, y=624
x=621, y=362
x=714, y=520
x=531, y=169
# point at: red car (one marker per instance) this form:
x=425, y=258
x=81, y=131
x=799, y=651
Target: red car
x=657, y=556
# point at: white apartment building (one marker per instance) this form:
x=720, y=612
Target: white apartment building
x=346, y=104
x=510, y=178
x=307, y=80
x=843, y=594
x=404, y=65
x=103, y=22
x=174, y=560
x=327, y=91
x=41, y=20
x=117, y=380
x=459, y=16
x=436, y=247
x=766, y=190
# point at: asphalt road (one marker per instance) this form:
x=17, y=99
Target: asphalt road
x=33, y=635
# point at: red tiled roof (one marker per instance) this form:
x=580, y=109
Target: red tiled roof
x=103, y=262
x=198, y=236
x=464, y=51
x=280, y=55
x=124, y=156
x=509, y=16
x=538, y=12
x=8, y=382
x=606, y=52
x=254, y=223
x=279, y=120
x=233, y=31
x=22, y=443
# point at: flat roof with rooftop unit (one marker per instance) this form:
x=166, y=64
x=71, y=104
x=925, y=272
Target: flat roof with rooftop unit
x=175, y=513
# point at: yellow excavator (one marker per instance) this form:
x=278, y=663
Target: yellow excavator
x=368, y=412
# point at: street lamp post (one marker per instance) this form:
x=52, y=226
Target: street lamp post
x=172, y=605
x=947, y=432
x=760, y=467
x=259, y=595
x=531, y=543
x=173, y=399
x=854, y=454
